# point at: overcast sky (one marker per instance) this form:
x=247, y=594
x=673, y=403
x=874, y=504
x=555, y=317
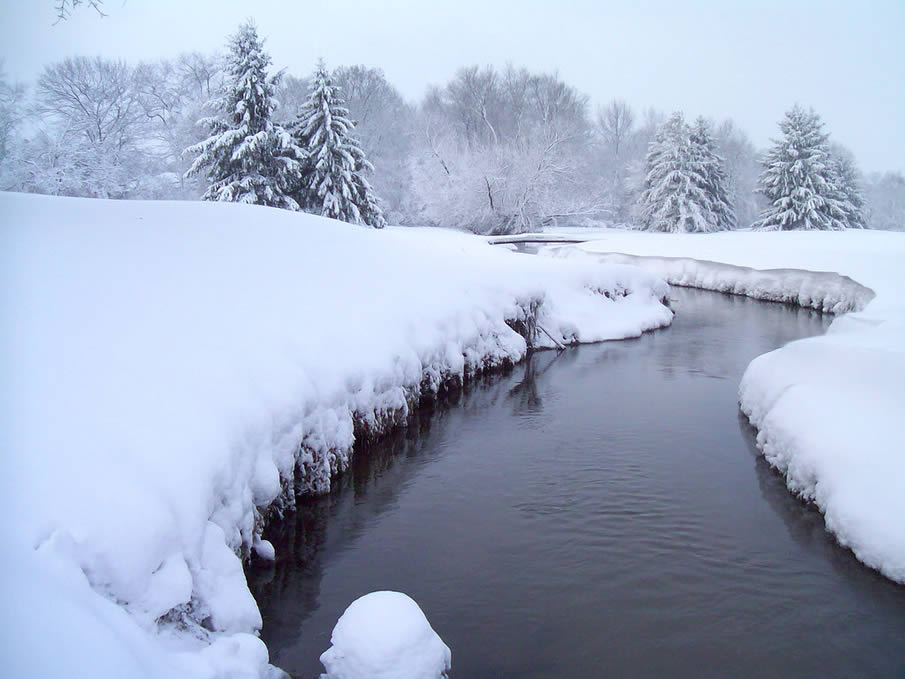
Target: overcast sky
x=746, y=60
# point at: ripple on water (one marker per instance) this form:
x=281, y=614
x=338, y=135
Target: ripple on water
x=597, y=512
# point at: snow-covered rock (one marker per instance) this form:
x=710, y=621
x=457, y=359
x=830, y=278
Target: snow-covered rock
x=167, y=370
x=385, y=635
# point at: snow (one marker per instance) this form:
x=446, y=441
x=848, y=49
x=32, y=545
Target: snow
x=828, y=410
x=384, y=635
x=822, y=290
x=164, y=361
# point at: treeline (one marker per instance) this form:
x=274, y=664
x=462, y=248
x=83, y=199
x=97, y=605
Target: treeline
x=494, y=151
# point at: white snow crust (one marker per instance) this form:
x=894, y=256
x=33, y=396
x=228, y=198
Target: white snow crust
x=830, y=410
x=385, y=635
x=170, y=369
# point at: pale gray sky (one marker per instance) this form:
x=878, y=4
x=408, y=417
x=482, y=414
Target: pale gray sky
x=746, y=60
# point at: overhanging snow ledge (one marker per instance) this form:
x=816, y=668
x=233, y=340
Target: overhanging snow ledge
x=825, y=291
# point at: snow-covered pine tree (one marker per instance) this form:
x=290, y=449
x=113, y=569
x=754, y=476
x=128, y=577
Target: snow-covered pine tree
x=248, y=158
x=333, y=182
x=676, y=197
x=848, y=181
x=800, y=180
x=710, y=167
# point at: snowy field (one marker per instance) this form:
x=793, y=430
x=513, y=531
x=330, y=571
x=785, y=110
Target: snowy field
x=170, y=369
x=830, y=411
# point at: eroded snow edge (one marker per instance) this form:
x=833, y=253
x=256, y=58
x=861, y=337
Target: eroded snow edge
x=825, y=291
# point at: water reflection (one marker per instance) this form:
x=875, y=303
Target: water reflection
x=806, y=526
x=714, y=313
x=526, y=396
x=600, y=510
x=843, y=602
x=321, y=528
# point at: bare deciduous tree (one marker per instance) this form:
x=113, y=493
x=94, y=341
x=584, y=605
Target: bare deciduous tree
x=384, y=124
x=98, y=95
x=616, y=131
x=96, y=103
x=64, y=8
x=504, y=152
x=616, y=122
x=885, y=201
x=11, y=111
x=742, y=170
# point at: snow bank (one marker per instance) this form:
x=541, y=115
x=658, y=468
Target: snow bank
x=384, y=635
x=169, y=370
x=830, y=414
x=822, y=290
x=830, y=411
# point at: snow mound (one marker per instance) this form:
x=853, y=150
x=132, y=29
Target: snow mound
x=172, y=372
x=385, y=635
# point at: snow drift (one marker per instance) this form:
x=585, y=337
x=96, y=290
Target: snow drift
x=384, y=635
x=171, y=370
x=828, y=410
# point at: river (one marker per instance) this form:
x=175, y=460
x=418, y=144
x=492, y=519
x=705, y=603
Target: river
x=596, y=512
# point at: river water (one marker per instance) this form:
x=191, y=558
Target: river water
x=597, y=512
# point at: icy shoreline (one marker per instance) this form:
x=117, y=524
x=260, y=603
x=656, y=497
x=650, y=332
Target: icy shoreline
x=828, y=410
x=319, y=462
x=175, y=368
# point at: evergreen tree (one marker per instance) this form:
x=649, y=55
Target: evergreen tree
x=848, y=181
x=248, y=158
x=684, y=189
x=332, y=181
x=800, y=179
x=710, y=167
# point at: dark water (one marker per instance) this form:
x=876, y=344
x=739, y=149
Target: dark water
x=601, y=512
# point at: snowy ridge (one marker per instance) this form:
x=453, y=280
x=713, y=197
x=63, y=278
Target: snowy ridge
x=175, y=368
x=828, y=409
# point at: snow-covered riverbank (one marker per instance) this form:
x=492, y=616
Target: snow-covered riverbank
x=169, y=369
x=830, y=411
